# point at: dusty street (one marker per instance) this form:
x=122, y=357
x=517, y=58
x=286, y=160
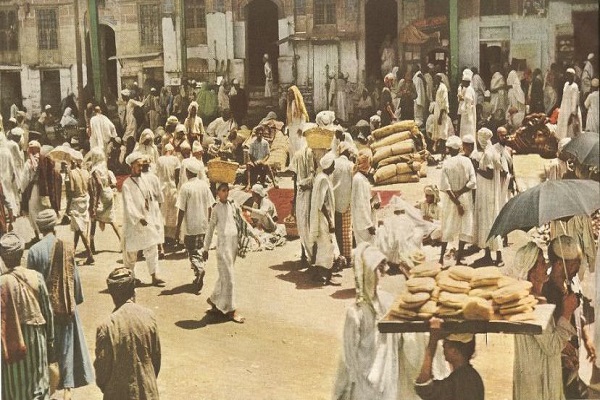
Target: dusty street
x=290, y=345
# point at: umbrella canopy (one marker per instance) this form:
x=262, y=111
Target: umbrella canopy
x=585, y=148
x=61, y=153
x=546, y=202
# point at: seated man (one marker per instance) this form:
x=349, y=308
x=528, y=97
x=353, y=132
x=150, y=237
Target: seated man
x=266, y=217
x=258, y=153
x=221, y=127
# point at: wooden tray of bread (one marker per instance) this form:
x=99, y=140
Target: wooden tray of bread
x=469, y=300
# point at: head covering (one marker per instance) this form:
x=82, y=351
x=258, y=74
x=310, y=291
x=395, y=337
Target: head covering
x=570, y=71
x=487, y=93
x=259, y=190
x=327, y=160
x=146, y=134
x=467, y=75
x=95, y=156
x=389, y=77
x=483, y=137
x=432, y=190
x=180, y=128
x=566, y=247
x=525, y=259
x=172, y=120
x=47, y=107
x=11, y=249
x=590, y=56
x=192, y=164
x=454, y=142
x=76, y=155
x=16, y=134
x=126, y=92
x=467, y=139
x=300, y=109
x=375, y=118
x=185, y=145
x=35, y=143
x=430, y=65
x=364, y=159
x=235, y=81
x=133, y=157
x=193, y=104
x=366, y=260
x=153, y=89
x=46, y=220
x=344, y=146
x=266, y=56
x=120, y=280
x=562, y=143
x=325, y=119
x=197, y=147
x=13, y=120
x=595, y=82
x=461, y=337
x=169, y=147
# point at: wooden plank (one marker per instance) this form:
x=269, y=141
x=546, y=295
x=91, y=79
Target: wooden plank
x=543, y=313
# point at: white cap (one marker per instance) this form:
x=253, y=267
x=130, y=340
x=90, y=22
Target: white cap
x=192, y=164
x=169, y=147
x=235, y=81
x=180, y=128
x=590, y=56
x=487, y=93
x=76, y=155
x=467, y=139
x=454, y=142
x=13, y=120
x=35, y=143
x=185, y=145
x=133, y=157
x=197, y=147
x=570, y=71
x=126, y=92
x=467, y=75
x=327, y=160
x=259, y=190
x=47, y=107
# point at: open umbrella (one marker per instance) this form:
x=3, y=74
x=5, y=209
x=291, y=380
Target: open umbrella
x=61, y=154
x=585, y=148
x=546, y=202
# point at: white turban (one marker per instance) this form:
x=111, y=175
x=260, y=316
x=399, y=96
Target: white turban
x=35, y=143
x=169, y=147
x=570, y=71
x=483, y=137
x=259, y=190
x=467, y=75
x=197, y=147
x=126, y=92
x=468, y=139
x=133, y=157
x=185, y=145
x=454, y=142
x=327, y=160
x=525, y=259
x=192, y=164
x=325, y=118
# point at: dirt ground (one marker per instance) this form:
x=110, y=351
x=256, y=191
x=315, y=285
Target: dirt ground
x=290, y=345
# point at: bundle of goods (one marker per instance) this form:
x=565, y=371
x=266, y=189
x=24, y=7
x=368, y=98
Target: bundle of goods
x=466, y=293
x=534, y=136
x=398, y=153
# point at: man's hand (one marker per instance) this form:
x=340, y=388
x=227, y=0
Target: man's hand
x=570, y=303
x=591, y=350
x=436, y=333
x=143, y=222
x=372, y=230
x=461, y=210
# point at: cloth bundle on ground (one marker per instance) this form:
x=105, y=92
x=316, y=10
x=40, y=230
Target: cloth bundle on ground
x=534, y=136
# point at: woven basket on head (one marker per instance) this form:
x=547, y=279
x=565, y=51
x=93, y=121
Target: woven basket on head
x=222, y=171
x=319, y=138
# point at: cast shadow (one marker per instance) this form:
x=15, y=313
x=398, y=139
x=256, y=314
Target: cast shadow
x=185, y=288
x=344, y=294
x=210, y=318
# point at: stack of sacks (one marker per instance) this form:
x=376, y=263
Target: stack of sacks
x=395, y=156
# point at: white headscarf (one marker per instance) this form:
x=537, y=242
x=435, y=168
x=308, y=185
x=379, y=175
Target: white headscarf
x=525, y=259
x=514, y=81
x=366, y=260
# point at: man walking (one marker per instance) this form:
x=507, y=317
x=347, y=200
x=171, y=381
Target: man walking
x=341, y=179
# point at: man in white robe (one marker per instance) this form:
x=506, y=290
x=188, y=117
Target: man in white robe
x=167, y=170
x=479, y=88
x=140, y=231
x=102, y=130
x=429, y=84
x=441, y=121
x=304, y=166
x=498, y=91
x=592, y=123
x=268, y=77
x=587, y=75
x=569, y=117
x=9, y=175
x=364, y=221
x=558, y=167
x=221, y=127
x=466, y=105
x=507, y=173
x=421, y=103
x=341, y=179
x=487, y=198
x=516, y=101
x=457, y=181
x=322, y=222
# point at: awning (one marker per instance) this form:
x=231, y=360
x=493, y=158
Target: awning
x=136, y=56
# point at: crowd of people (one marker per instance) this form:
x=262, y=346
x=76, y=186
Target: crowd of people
x=168, y=198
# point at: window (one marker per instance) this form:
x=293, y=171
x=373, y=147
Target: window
x=494, y=7
x=47, y=27
x=195, y=14
x=9, y=30
x=324, y=12
x=150, y=26
x=300, y=7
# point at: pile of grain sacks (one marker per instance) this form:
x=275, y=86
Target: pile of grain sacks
x=396, y=158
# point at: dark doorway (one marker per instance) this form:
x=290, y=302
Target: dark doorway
x=586, y=34
x=10, y=82
x=262, y=37
x=490, y=55
x=381, y=23
x=50, y=88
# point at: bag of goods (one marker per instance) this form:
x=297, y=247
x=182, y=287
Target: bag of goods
x=389, y=140
x=407, y=178
x=477, y=308
x=393, y=128
x=395, y=149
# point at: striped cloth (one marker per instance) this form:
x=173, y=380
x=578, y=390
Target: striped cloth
x=343, y=233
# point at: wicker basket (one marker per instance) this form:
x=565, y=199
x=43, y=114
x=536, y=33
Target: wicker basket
x=222, y=171
x=291, y=227
x=319, y=138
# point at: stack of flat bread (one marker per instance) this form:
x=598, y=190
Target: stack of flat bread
x=463, y=292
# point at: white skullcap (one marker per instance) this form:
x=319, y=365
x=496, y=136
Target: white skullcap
x=13, y=120
x=185, y=145
x=566, y=247
x=327, y=160
x=467, y=139
x=484, y=133
x=430, y=65
x=180, y=128
x=454, y=142
x=389, y=77
x=172, y=120
x=35, y=143
x=169, y=147
x=562, y=143
x=17, y=132
x=48, y=106
x=133, y=157
x=266, y=56
x=344, y=146
x=197, y=147
x=590, y=56
x=259, y=190
x=467, y=75
x=595, y=82
x=192, y=164
x=375, y=118
x=235, y=82
x=570, y=71
x=76, y=155
x=153, y=89
x=487, y=93
x=126, y=92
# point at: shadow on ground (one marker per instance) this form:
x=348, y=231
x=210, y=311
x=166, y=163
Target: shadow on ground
x=208, y=319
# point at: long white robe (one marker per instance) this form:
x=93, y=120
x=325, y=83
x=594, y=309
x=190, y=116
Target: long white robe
x=498, y=99
x=222, y=220
x=506, y=163
x=9, y=177
x=468, y=112
x=155, y=204
x=322, y=195
x=516, y=99
x=303, y=165
x=421, y=100
x=166, y=168
x=440, y=132
x=35, y=200
x=268, y=80
x=101, y=131
x=569, y=106
x=369, y=369
x=586, y=77
x=363, y=217
x=296, y=141
x=457, y=172
x=136, y=206
x=341, y=98
x=591, y=103
x=487, y=199
x=537, y=368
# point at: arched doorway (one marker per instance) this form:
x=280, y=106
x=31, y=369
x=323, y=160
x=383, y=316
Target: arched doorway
x=108, y=60
x=381, y=23
x=262, y=36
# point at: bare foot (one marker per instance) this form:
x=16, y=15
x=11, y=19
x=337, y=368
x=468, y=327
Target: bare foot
x=236, y=317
